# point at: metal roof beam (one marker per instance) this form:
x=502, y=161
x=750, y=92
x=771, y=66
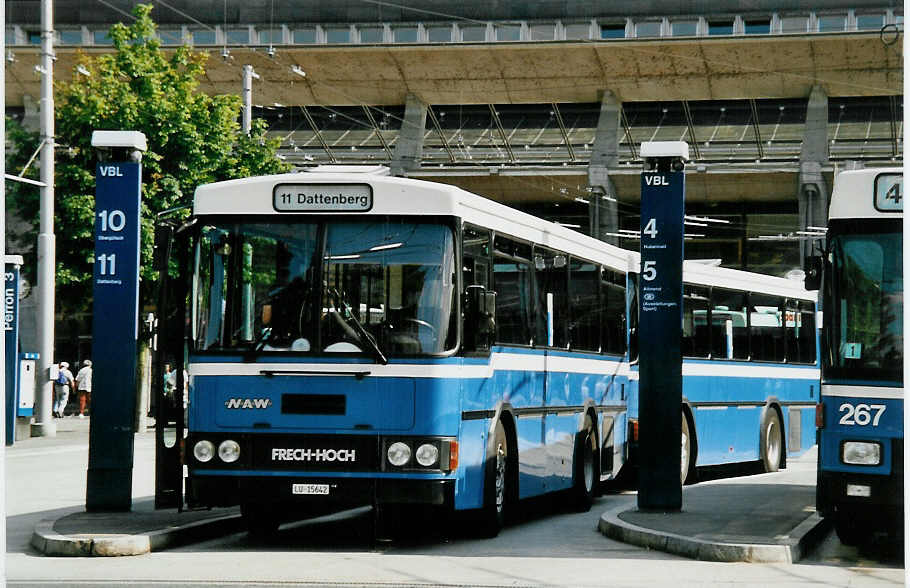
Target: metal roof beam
x=442, y=136
x=377, y=130
x=502, y=133
x=562, y=129
x=758, y=143
x=318, y=133
x=693, y=141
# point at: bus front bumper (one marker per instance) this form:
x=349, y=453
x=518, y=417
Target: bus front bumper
x=854, y=492
x=216, y=490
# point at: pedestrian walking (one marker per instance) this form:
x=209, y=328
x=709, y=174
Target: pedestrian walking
x=84, y=386
x=62, y=386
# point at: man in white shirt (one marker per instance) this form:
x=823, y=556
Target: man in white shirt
x=84, y=386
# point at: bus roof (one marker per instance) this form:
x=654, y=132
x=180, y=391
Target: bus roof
x=408, y=197
x=698, y=273
x=854, y=194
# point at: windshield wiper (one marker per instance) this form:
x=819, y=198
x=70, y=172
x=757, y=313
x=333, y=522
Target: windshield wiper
x=348, y=315
x=260, y=342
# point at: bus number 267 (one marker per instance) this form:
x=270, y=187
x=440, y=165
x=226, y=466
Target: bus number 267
x=861, y=414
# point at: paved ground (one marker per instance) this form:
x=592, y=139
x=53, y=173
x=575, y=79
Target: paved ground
x=767, y=518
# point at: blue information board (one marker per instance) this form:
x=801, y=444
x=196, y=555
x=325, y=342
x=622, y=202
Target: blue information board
x=115, y=325
x=660, y=331
x=11, y=340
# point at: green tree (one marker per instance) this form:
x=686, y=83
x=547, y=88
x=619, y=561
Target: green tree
x=193, y=138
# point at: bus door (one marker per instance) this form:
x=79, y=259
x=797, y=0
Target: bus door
x=169, y=384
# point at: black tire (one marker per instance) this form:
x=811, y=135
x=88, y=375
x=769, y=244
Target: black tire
x=495, y=485
x=771, y=440
x=687, y=453
x=585, y=464
x=260, y=520
x=849, y=528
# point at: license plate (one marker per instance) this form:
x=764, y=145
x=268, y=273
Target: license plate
x=859, y=490
x=318, y=489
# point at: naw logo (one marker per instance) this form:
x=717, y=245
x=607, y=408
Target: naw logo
x=247, y=403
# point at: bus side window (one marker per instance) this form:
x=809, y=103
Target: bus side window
x=696, y=340
x=791, y=338
x=476, y=257
x=551, y=283
x=766, y=327
x=805, y=332
x=729, y=326
x=515, y=301
x=633, y=317
x=613, y=292
x=584, y=306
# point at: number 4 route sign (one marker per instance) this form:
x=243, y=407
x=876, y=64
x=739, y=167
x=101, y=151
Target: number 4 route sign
x=660, y=326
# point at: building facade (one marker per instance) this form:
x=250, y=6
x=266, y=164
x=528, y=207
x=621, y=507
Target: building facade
x=544, y=105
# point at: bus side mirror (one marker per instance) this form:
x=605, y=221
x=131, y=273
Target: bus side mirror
x=479, y=318
x=813, y=271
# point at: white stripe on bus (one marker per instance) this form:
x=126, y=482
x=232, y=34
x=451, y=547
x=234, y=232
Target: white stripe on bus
x=524, y=362
x=751, y=370
x=862, y=392
x=499, y=362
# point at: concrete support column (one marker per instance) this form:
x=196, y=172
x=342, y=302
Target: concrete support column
x=409, y=147
x=813, y=190
x=603, y=212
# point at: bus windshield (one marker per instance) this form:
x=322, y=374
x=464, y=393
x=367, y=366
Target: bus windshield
x=379, y=286
x=865, y=299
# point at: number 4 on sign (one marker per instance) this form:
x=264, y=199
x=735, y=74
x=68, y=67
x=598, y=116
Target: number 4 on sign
x=894, y=193
x=651, y=228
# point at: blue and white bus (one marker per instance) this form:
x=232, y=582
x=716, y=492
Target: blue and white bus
x=346, y=347
x=750, y=369
x=860, y=418
x=358, y=339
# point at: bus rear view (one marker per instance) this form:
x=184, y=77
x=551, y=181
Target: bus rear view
x=860, y=418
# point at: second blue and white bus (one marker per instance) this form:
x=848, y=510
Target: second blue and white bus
x=861, y=433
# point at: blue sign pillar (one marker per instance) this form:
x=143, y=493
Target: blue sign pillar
x=11, y=264
x=115, y=316
x=660, y=297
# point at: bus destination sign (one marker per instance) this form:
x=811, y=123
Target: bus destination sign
x=322, y=198
x=889, y=192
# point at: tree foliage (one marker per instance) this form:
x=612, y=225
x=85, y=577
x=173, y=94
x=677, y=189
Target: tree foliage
x=193, y=138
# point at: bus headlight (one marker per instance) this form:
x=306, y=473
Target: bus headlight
x=204, y=451
x=229, y=451
x=399, y=454
x=427, y=455
x=861, y=453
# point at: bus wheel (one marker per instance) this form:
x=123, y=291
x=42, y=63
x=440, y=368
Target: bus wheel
x=771, y=440
x=686, y=454
x=260, y=520
x=585, y=468
x=495, y=485
x=849, y=528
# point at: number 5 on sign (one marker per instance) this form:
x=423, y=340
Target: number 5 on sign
x=649, y=270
